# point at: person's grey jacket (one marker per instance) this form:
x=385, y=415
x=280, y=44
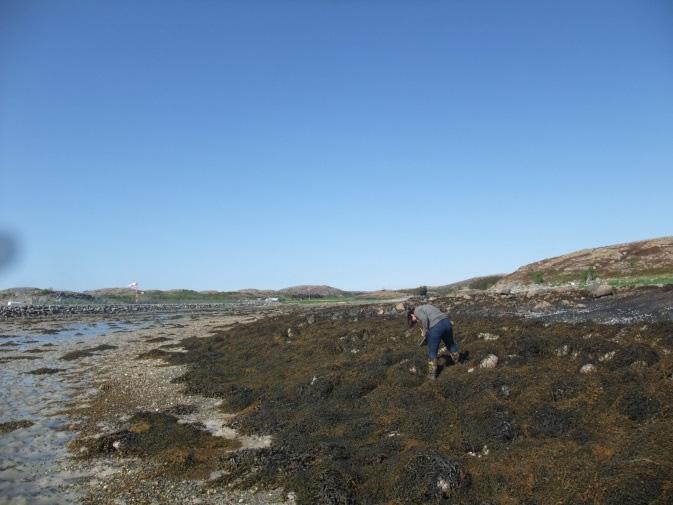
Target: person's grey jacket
x=429, y=315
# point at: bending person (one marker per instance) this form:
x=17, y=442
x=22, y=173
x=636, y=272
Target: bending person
x=435, y=327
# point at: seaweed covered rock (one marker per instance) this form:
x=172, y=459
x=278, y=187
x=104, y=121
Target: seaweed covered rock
x=635, y=354
x=563, y=388
x=181, y=448
x=638, y=406
x=549, y=421
x=530, y=346
x=636, y=489
x=494, y=426
x=334, y=488
x=426, y=476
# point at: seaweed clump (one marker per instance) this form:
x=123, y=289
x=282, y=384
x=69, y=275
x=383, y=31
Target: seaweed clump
x=181, y=448
x=427, y=475
x=46, y=371
x=15, y=425
x=85, y=353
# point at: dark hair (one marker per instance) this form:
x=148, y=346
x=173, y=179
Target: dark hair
x=410, y=312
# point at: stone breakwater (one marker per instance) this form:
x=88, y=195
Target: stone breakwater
x=27, y=311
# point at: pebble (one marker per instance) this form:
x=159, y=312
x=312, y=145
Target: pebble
x=588, y=368
x=607, y=356
x=563, y=350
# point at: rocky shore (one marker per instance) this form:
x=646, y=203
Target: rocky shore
x=565, y=395
x=27, y=311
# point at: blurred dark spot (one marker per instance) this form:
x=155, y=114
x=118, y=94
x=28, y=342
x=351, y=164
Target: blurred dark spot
x=8, y=249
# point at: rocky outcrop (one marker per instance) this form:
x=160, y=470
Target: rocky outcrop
x=647, y=259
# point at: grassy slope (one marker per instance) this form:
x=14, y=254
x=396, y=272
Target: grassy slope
x=635, y=263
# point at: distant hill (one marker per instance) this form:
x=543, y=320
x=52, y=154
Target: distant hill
x=126, y=295
x=643, y=262
x=382, y=294
x=43, y=296
x=311, y=290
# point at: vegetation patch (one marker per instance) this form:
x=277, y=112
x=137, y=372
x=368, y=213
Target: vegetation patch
x=537, y=277
x=642, y=281
x=485, y=282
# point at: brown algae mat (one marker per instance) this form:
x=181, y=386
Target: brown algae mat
x=183, y=449
x=353, y=419
x=14, y=425
x=85, y=353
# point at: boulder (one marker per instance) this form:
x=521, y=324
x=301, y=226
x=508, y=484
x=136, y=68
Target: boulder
x=490, y=361
x=600, y=290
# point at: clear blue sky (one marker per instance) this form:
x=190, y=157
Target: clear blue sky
x=363, y=144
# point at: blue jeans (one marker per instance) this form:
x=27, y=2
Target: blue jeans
x=442, y=331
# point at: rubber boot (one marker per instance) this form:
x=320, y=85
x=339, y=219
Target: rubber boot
x=432, y=369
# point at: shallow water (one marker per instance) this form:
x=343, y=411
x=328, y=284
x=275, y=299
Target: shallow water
x=30, y=472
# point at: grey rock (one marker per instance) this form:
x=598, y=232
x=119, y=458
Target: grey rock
x=600, y=290
x=490, y=361
x=588, y=368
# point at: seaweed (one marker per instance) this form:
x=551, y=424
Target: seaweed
x=354, y=420
x=85, y=353
x=15, y=425
x=45, y=371
x=184, y=449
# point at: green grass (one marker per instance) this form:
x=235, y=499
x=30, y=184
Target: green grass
x=177, y=296
x=641, y=281
x=588, y=274
x=329, y=299
x=537, y=277
x=484, y=282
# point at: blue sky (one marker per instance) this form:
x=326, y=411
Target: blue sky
x=366, y=145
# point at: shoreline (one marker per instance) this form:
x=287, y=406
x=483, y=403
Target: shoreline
x=105, y=389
